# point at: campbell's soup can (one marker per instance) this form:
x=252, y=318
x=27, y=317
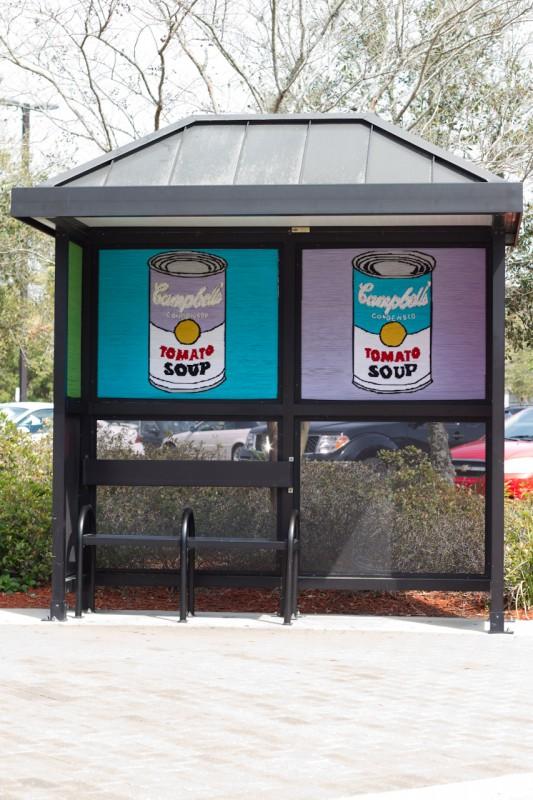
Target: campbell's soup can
x=392, y=320
x=187, y=321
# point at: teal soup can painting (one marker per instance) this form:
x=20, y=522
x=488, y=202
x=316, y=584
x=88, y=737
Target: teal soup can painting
x=187, y=321
x=392, y=315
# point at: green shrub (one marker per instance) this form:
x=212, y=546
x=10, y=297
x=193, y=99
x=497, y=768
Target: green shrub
x=519, y=552
x=25, y=509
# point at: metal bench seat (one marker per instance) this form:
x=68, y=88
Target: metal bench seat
x=95, y=539
x=87, y=538
x=187, y=544
x=103, y=472
x=228, y=542
x=190, y=544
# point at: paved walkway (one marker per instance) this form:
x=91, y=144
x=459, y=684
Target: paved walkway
x=120, y=706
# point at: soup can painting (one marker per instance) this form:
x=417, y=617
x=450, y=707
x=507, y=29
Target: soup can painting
x=392, y=315
x=187, y=321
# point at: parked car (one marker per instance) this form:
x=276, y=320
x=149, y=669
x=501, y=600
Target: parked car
x=121, y=434
x=514, y=409
x=216, y=439
x=360, y=441
x=140, y=434
x=154, y=432
x=469, y=459
x=35, y=418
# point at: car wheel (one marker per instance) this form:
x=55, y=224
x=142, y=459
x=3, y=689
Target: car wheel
x=235, y=451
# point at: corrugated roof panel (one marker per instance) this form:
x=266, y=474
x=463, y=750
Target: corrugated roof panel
x=444, y=174
x=150, y=166
x=395, y=155
x=335, y=153
x=392, y=161
x=209, y=155
x=95, y=178
x=272, y=154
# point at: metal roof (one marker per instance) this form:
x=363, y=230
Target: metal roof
x=309, y=167
x=275, y=149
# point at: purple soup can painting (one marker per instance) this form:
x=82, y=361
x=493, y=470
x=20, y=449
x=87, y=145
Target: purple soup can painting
x=369, y=316
x=187, y=321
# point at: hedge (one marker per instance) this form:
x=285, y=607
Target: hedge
x=25, y=509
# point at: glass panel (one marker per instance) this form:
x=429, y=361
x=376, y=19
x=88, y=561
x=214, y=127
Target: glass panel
x=391, y=161
x=220, y=511
x=223, y=440
x=209, y=155
x=226, y=511
x=392, y=497
x=336, y=154
x=272, y=154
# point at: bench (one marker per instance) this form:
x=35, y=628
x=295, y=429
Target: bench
x=184, y=473
x=191, y=544
x=93, y=540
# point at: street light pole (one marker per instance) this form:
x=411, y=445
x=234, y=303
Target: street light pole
x=25, y=141
x=25, y=163
x=26, y=109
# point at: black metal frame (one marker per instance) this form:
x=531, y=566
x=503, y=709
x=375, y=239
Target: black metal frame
x=495, y=438
x=288, y=410
x=279, y=200
x=188, y=473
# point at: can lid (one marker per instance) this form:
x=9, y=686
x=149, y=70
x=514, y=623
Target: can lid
x=187, y=263
x=394, y=264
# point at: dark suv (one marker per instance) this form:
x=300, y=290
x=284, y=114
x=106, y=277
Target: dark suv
x=154, y=432
x=358, y=441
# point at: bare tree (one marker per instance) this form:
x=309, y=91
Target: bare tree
x=456, y=73
x=115, y=68
x=272, y=49
x=26, y=311
x=439, y=451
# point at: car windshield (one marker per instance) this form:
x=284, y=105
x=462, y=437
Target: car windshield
x=520, y=426
x=13, y=412
x=175, y=426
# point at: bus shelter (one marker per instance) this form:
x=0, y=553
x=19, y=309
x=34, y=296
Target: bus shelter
x=330, y=285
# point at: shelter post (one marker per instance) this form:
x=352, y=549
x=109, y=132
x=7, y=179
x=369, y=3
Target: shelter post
x=495, y=470
x=58, y=607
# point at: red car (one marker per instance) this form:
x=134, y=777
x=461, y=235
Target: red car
x=469, y=459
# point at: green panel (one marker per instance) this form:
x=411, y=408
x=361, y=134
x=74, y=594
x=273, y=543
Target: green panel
x=75, y=255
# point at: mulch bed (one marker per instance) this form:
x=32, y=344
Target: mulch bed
x=411, y=603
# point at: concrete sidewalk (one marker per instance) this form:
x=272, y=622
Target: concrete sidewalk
x=231, y=708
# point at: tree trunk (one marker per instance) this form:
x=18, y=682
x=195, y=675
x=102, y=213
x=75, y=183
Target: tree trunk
x=439, y=451
x=304, y=433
